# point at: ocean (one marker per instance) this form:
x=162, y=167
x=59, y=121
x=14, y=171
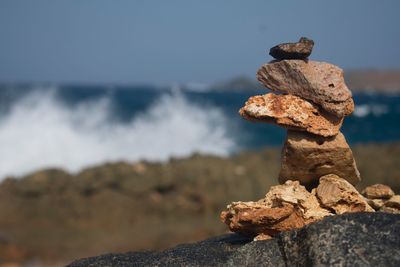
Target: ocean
x=73, y=127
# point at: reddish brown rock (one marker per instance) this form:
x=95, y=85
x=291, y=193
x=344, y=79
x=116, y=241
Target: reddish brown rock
x=319, y=82
x=300, y=50
x=378, y=191
x=337, y=194
x=285, y=207
x=307, y=157
x=254, y=218
x=291, y=112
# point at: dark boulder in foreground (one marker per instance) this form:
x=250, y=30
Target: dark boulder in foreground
x=357, y=239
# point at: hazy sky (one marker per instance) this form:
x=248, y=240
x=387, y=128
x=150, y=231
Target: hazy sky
x=127, y=41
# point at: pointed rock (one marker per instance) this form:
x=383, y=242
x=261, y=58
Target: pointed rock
x=307, y=157
x=319, y=82
x=300, y=50
x=285, y=207
x=291, y=112
x=337, y=194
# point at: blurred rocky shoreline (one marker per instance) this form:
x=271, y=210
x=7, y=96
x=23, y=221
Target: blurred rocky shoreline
x=53, y=216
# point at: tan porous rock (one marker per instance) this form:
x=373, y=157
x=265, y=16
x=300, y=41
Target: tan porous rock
x=307, y=157
x=261, y=237
x=390, y=210
x=378, y=191
x=337, y=194
x=376, y=203
x=291, y=112
x=392, y=205
x=291, y=192
x=319, y=82
x=285, y=207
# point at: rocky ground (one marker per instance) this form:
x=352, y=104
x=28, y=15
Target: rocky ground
x=53, y=216
x=358, y=239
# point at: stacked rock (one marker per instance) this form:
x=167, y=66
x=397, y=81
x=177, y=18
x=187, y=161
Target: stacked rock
x=312, y=102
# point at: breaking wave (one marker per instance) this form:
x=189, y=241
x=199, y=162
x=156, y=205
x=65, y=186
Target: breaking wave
x=40, y=132
x=376, y=110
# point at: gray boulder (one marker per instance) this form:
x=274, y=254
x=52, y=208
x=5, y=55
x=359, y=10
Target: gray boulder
x=354, y=239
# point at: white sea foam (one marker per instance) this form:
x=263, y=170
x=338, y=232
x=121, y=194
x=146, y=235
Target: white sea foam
x=41, y=132
x=372, y=109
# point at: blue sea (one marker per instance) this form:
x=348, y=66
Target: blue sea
x=72, y=127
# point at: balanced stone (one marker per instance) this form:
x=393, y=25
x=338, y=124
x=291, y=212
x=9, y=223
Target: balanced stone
x=337, y=194
x=300, y=50
x=291, y=112
x=319, y=82
x=307, y=157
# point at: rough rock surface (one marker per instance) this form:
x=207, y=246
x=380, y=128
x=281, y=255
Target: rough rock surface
x=307, y=157
x=392, y=205
x=337, y=194
x=376, y=204
x=291, y=112
x=300, y=50
x=366, y=239
x=319, y=82
x=284, y=208
x=390, y=210
x=378, y=191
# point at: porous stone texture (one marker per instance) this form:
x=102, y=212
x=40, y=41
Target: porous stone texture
x=337, y=194
x=390, y=210
x=380, y=191
x=356, y=239
x=291, y=112
x=254, y=218
x=392, y=205
x=291, y=192
x=319, y=82
x=300, y=50
x=394, y=201
x=285, y=207
x=376, y=204
x=307, y=157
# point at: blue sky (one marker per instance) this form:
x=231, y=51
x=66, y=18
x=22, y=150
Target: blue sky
x=160, y=42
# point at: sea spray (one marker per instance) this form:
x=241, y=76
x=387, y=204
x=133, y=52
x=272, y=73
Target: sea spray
x=40, y=131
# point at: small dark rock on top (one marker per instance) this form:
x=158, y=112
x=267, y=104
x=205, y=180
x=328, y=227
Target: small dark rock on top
x=300, y=50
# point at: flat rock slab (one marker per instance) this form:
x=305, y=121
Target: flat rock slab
x=356, y=239
x=307, y=157
x=291, y=112
x=319, y=82
x=300, y=50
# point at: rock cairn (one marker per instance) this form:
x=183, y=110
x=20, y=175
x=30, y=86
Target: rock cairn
x=312, y=102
